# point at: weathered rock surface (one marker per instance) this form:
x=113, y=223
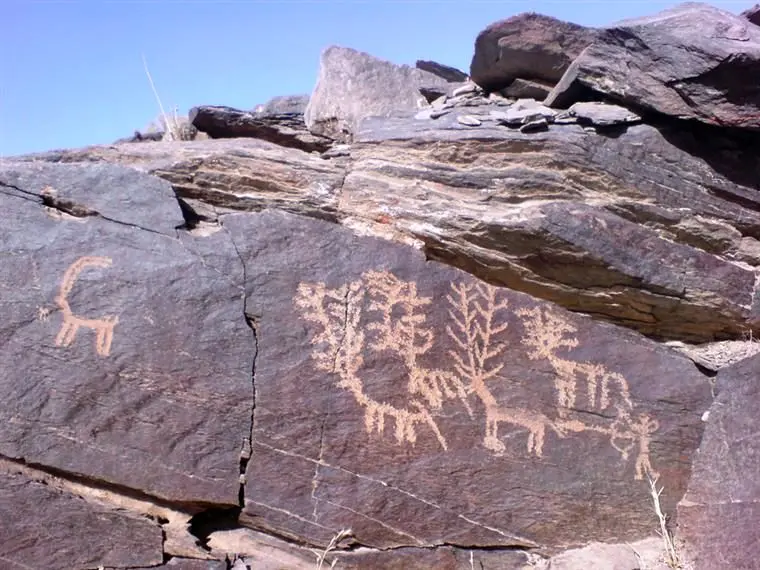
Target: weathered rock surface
x=125, y=355
x=450, y=74
x=602, y=114
x=688, y=62
x=527, y=89
x=353, y=85
x=753, y=14
x=594, y=232
x=42, y=528
x=720, y=514
x=526, y=46
x=285, y=129
x=283, y=105
x=561, y=214
x=190, y=564
x=366, y=399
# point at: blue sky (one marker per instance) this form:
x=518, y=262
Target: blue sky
x=71, y=72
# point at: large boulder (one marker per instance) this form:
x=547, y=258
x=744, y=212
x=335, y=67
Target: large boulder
x=688, y=62
x=417, y=405
x=526, y=46
x=353, y=85
x=285, y=129
x=753, y=14
x=450, y=74
x=125, y=357
x=720, y=515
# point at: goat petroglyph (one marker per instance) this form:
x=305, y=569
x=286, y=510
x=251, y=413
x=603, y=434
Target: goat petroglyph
x=103, y=326
x=381, y=313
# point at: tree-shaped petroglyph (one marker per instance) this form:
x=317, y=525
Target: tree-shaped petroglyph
x=474, y=312
x=102, y=326
x=380, y=313
x=341, y=342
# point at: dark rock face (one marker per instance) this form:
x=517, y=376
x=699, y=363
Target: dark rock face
x=527, y=46
x=450, y=74
x=353, y=85
x=720, y=514
x=285, y=129
x=397, y=383
x=125, y=354
x=43, y=528
x=753, y=14
x=689, y=62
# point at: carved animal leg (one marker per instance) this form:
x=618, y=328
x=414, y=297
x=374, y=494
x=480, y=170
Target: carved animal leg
x=67, y=334
x=105, y=337
x=491, y=441
x=536, y=440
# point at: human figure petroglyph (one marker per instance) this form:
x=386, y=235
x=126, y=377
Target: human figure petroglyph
x=103, y=326
x=547, y=333
x=381, y=313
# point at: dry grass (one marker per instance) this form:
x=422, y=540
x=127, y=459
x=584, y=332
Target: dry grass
x=673, y=555
x=171, y=123
x=334, y=543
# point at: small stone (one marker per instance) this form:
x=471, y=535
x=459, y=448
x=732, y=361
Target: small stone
x=437, y=113
x=469, y=121
x=603, y=114
x=540, y=124
x=465, y=89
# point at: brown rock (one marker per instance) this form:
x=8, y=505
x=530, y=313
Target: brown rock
x=527, y=89
x=526, y=46
x=720, y=514
x=125, y=357
x=352, y=85
x=688, y=62
x=284, y=129
x=386, y=385
x=753, y=14
x=43, y=528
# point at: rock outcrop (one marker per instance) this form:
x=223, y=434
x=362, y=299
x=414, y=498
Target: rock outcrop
x=753, y=14
x=285, y=129
x=528, y=46
x=689, y=62
x=444, y=328
x=353, y=85
x=450, y=74
x=720, y=515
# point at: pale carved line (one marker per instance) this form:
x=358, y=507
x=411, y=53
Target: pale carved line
x=103, y=326
x=401, y=329
x=548, y=333
x=474, y=310
x=340, y=345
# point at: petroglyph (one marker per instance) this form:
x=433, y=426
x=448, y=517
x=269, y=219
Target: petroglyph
x=381, y=313
x=103, y=327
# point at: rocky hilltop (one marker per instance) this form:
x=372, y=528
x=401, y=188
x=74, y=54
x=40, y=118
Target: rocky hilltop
x=419, y=318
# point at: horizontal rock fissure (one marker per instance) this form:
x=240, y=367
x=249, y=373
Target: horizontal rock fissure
x=44, y=473
x=69, y=207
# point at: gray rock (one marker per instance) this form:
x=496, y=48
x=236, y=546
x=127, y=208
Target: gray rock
x=283, y=105
x=688, y=62
x=719, y=516
x=535, y=125
x=450, y=74
x=753, y=14
x=42, y=528
x=352, y=85
x=469, y=121
x=527, y=89
x=286, y=129
x=603, y=114
x=140, y=346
